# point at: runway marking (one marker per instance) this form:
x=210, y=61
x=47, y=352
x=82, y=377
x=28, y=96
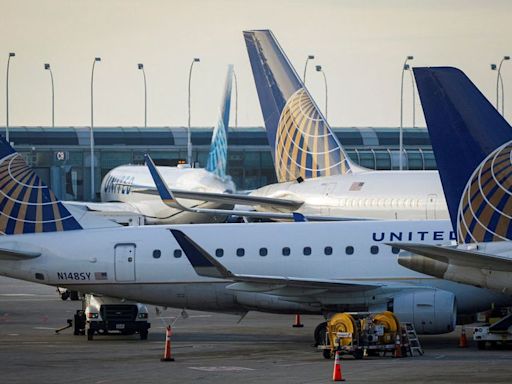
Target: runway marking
x=222, y=369
x=440, y=357
x=35, y=342
x=45, y=328
x=13, y=334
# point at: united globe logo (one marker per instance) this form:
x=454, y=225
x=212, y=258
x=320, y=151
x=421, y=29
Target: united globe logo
x=485, y=210
x=305, y=145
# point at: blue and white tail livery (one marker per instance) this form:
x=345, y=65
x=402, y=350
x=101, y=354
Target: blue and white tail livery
x=218, y=156
x=27, y=205
x=473, y=148
x=301, y=140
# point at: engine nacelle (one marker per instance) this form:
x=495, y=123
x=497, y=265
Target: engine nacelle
x=432, y=311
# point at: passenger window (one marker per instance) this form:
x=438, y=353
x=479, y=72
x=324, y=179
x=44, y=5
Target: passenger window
x=395, y=250
x=307, y=251
x=374, y=249
x=349, y=250
x=157, y=253
x=219, y=252
x=286, y=251
x=240, y=252
x=263, y=251
x=328, y=251
x=177, y=253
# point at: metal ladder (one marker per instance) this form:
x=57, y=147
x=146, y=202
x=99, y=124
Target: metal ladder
x=411, y=339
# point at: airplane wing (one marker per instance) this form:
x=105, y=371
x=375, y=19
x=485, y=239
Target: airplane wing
x=223, y=198
x=206, y=265
x=102, y=207
x=457, y=256
x=169, y=198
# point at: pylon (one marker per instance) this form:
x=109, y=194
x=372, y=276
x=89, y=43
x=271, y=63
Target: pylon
x=336, y=373
x=167, y=349
x=463, y=340
x=398, y=346
x=297, y=323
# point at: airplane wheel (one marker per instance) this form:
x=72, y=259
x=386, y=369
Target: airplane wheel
x=319, y=334
x=64, y=295
x=74, y=296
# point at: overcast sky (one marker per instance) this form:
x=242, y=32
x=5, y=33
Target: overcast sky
x=360, y=44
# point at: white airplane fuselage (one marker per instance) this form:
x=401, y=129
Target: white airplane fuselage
x=403, y=195
x=121, y=184
x=98, y=261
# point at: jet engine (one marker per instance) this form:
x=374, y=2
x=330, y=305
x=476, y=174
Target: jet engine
x=432, y=311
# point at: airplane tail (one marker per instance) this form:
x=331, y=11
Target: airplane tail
x=27, y=205
x=302, y=142
x=218, y=156
x=472, y=144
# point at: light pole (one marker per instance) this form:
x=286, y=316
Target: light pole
x=93, y=195
x=401, y=143
x=189, y=142
x=310, y=57
x=494, y=67
x=408, y=68
x=11, y=54
x=48, y=68
x=498, y=79
x=236, y=99
x=141, y=67
x=319, y=69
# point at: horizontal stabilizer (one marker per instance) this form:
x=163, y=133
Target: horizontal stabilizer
x=206, y=265
x=8, y=254
x=457, y=256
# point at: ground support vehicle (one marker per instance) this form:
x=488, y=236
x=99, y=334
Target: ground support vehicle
x=108, y=316
x=368, y=334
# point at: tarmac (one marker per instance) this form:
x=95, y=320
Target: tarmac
x=210, y=348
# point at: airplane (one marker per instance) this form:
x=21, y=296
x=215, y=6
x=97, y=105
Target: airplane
x=311, y=165
x=277, y=267
x=128, y=188
x=472, y=144
x=316, y=176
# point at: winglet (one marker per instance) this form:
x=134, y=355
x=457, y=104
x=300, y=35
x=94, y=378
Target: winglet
x=164, y=191
x=299, y=217
x=203, y=263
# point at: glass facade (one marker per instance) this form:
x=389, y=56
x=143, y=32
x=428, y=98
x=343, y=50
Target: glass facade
x=61, y=156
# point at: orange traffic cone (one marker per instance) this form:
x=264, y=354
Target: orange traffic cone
x=336, y=374
x=463, y=340
x=297, y=323
x=167, y=350
x=398, y=346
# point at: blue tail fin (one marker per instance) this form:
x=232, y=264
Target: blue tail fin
x=27, y=205
x=218, y=156
x=472, y=145
x=302, y=142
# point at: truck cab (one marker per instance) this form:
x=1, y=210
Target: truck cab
x=104, y=315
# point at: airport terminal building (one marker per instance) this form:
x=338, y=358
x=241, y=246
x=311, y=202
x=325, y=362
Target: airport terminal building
x=61, y=155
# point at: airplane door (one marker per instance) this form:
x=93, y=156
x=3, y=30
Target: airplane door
x=431, y=206
x=124, y=255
